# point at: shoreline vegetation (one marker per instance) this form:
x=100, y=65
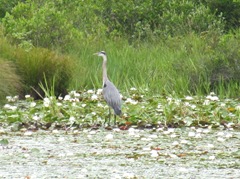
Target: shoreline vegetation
x=87, y=109
x=181, y=57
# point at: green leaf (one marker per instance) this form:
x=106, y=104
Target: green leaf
x=4, y=142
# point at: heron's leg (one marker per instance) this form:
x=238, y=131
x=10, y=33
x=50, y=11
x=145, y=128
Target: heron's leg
x=115, y=119
x=109, y=116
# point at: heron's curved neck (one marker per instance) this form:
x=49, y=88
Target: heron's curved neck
x=104, y=68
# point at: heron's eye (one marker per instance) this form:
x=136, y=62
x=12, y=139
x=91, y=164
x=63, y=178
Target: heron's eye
x=102, y=52
x=105, y=85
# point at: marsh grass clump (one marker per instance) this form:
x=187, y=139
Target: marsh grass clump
x=10, y=82
x=40, y=63
x=6, y=49
x=32, y=65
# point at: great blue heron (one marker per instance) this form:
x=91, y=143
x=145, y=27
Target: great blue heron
x=110, y=92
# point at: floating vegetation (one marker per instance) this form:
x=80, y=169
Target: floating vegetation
x=133, y=153
x=88, y=109
x=157, y=136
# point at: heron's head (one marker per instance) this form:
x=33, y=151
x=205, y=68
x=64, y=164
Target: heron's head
x=100, y=54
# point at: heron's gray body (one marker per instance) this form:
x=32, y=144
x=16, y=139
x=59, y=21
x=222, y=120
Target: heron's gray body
x=110, y=92
x=112, y=96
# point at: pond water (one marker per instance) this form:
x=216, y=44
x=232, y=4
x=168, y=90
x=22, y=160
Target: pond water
x=172, y=153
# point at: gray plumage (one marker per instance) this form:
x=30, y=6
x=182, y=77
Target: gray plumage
x=112, y=97
x=110, y=92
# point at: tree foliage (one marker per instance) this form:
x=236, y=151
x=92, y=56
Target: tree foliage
x=229, y=9
x=60, y=22
x=7, y=5
x=139, y=19
x=38, y=24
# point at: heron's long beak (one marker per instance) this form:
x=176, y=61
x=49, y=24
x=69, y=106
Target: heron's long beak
x=95, y=53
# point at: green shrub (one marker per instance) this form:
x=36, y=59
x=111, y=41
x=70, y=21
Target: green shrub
x=33, y=23
x=229, y=9
x=143, y=19
x=6, y=6
x=59, y=24
x=10, y=82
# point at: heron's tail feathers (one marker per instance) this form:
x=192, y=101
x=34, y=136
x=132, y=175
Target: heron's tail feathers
x=117, y=111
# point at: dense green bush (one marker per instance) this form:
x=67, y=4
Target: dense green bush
x=142, y=19
x=229, y=9
x=38, y=24
x=60, y=23
x=7, y=5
